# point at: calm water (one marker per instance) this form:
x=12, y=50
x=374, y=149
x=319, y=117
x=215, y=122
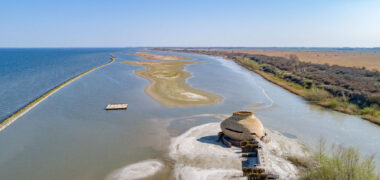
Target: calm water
x=57, y=140
x=28, y=73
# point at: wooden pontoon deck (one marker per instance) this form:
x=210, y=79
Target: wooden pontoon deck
x=116, y=106
x=255, y=157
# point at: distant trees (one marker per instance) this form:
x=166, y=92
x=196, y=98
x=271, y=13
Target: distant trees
x=351, y=90
x=360, y=86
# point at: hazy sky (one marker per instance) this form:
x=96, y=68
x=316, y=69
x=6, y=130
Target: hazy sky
x=108, y=23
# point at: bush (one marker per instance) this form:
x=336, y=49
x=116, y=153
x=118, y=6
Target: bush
x=344, y=163
x=367, y=110
x=316, y=94
x=372, y=110
x=333, y=102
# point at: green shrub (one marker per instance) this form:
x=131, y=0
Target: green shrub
x=373, y=111
x=317, y=94
x=333, y=102
x=367, y=110
x=343, y=164
x=376, y=113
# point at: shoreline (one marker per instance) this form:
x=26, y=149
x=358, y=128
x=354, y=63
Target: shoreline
x=23, y=110
x=301, y=92
x=289, y=87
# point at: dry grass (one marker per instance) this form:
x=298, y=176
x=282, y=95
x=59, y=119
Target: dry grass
x=301, y=162
x=342, y=163
x=369, y=60
x=315, y=95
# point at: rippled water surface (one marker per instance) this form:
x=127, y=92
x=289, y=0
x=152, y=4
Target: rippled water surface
x=28, y=73
x=70, y=136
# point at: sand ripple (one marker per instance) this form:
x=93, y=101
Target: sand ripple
x=138, y=170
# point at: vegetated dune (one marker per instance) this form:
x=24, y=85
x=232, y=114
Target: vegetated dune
x=168, y=87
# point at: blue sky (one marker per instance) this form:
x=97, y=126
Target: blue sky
x=127, y=23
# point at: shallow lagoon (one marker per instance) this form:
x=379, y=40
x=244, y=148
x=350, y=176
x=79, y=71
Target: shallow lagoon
x=70, y=136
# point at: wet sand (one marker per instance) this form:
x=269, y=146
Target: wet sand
x=369, y=60
x=167, y=84
x=151, y=56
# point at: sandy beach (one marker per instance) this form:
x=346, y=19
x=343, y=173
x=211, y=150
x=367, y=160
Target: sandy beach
x=168, y=87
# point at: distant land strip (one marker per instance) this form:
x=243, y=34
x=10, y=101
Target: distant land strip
x=349, y=90
x=13, y=117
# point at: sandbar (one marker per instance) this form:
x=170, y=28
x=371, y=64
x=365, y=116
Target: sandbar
x=166, y=57
x=167, y=84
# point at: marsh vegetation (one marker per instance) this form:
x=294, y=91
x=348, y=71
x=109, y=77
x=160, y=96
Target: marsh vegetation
x=350, y=90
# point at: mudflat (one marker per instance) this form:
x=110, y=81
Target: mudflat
x=151, y=56
x=167, y=84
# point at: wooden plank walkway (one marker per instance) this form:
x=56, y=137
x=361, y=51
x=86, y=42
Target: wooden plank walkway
x=117, y=106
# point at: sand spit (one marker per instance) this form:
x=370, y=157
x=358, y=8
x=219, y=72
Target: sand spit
x=138, y=170
x=151, y=56
x=167, y=84
x=12, y=118
x=198, y=155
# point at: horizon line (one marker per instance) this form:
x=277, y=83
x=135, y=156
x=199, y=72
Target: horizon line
x=56, y=47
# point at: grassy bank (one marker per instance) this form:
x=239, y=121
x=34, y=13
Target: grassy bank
x=313, y=94
x=13, y=117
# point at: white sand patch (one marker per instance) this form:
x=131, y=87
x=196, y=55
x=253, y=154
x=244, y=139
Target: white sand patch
x=197, y=155
x=278, y=149
x=138, y=170
x=193, y=96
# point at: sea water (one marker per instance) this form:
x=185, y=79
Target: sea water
x=71, y=136
x=26, y=74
